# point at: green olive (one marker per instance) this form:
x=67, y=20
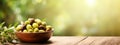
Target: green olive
x=41, y=31
x=29, y=26
x=30, y=30
x=27, y=22
x=38, y=21
x=36, y=30
x=25, y=31
x=44, y=23
x=48, y=27
x=35, y=25
x=20, y=31
x=19, y=27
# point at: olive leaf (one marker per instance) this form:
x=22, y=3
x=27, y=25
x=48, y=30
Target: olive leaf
x=2, y=24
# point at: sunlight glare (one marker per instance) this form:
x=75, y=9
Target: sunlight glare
x=91, y=2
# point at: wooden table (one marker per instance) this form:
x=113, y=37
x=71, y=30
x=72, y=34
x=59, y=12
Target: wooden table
x=80, y=40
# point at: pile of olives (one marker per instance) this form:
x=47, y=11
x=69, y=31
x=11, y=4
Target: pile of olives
x=33, y=25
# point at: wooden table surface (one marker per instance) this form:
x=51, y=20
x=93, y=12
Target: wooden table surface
x=80, y=40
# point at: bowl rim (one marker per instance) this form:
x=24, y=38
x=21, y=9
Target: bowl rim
x=35, y=32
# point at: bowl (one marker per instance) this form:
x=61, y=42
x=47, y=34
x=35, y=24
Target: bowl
x=34, y=37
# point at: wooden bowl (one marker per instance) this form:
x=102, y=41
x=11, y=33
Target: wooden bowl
x=34, y=37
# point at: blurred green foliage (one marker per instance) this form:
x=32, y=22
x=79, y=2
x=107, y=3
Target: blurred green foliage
x=68, y=17
x=18, y=10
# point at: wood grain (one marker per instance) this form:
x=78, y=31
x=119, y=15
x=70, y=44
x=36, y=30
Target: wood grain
x=79, y=40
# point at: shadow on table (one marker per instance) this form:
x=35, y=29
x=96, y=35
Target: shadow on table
x=40, y=43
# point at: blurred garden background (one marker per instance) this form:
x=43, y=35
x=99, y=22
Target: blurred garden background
x=68, y=17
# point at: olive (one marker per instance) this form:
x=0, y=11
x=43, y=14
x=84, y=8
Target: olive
x=27, y=22
x=29, y=26
x=38, y=21
x=42, y=27
x=48, y=28
x=24, y=27
x=19, y=27
x=41, y=31
x=20, y=31
x=44, y=23
x=35, y=25
x=31, y=20
x=36, y=30
x=30, y=30
x=25, y=31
